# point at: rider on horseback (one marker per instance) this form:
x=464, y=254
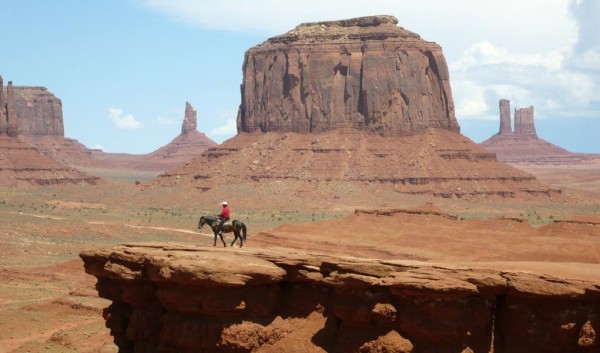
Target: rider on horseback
x=224, y=216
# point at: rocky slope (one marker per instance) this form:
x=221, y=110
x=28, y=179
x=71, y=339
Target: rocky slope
x=366, y=73
x=22, y=165
x=184, y=298
x=435, y=162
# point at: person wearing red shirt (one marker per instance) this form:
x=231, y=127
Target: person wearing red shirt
x=224, y=216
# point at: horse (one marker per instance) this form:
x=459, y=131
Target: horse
x=238, y=228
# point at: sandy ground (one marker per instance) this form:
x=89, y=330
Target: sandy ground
x=48, y=303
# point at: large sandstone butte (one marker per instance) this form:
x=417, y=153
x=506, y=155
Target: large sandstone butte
x=38, y=112
x=354, y=101
x=523, y=146
x=22, y=164
x=185, y=298
x=366, y=73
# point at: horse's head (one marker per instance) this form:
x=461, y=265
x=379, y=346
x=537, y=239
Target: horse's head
x=201, y=222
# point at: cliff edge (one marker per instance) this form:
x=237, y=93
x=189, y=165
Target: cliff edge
x=185, y=298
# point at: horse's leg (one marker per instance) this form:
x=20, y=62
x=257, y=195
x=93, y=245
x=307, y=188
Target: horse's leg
x=224, y=245
x=215, y=242
x=234, y=239
x=237, y=234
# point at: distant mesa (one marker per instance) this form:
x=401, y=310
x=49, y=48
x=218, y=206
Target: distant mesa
x=523, y=144
x=351, y=102
x=35, y=115
x=366, y=73
x=22, y=164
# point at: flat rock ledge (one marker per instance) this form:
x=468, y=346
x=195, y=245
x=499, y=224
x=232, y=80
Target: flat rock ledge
x=185, y=298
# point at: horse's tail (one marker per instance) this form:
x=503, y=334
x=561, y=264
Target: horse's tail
x=243, y=231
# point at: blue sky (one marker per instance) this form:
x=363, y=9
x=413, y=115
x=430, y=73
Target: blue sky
x=125, y=68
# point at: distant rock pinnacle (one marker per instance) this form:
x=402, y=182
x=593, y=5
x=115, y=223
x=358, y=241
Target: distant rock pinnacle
x=189, y=121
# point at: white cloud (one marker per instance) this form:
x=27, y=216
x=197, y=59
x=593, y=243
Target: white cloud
x=534, y=52
x=485, y=53
x=227, y=130
x=545, y=23
x=99, y=147
x=121, y=121
x=470, y=102
x=486, y=73
x=164, y=121
x=590, y=59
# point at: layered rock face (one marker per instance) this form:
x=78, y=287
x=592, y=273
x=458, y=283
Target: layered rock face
x=435, y=162
x=523, y=145
x=39, y=112
x=22, y=164
x=365, y=73
x=30, y=111
x=184, y=298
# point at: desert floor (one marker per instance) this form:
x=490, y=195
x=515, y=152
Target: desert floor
x=49, y=304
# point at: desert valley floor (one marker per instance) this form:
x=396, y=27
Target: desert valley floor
x=49, y=304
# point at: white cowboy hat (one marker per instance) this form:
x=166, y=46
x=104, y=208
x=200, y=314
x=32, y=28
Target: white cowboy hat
x=224, y=203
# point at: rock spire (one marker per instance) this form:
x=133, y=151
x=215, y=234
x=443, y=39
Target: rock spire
x=8, y=117
x=189, y=121
x=524, y=122
x=505, y=121
x=3, y=122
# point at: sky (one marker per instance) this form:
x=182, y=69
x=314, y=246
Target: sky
x=125, y=68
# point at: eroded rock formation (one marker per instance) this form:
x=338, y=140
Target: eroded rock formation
x=30, y=111
x=523, y=145
x=38, y=112
x=189, y=120
x=435, y=162
x=8, y=116
x=352, y=101
x=22, y=164
x=184, y=298
x=505, y=120
x=191, y=143
x=365, y=73
x=524, y=125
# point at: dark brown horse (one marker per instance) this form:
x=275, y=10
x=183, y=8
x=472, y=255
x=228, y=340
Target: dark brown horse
x=238, y=228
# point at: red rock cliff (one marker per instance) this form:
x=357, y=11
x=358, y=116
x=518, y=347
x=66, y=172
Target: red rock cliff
x=183, y=298
x=30, y=111
x=365, y=72
x=38, y=112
